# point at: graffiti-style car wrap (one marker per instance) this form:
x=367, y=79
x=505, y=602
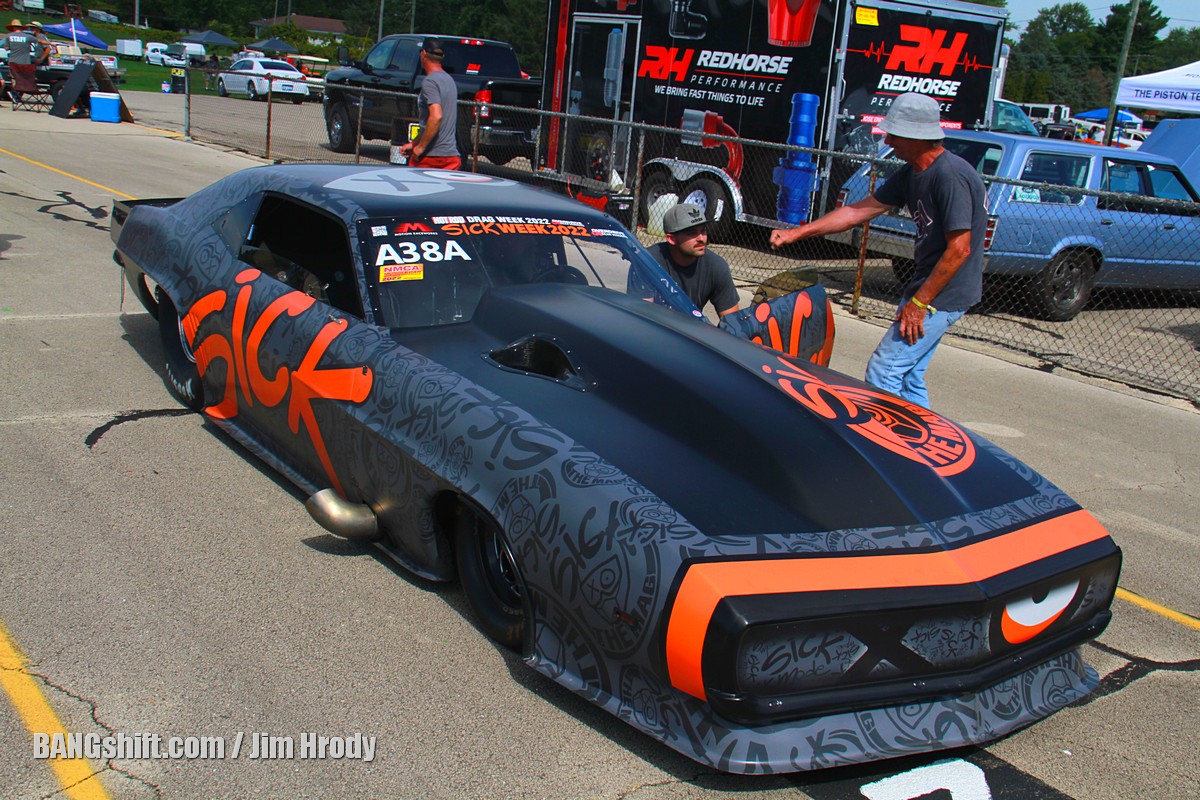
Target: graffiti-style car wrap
x=765, y=564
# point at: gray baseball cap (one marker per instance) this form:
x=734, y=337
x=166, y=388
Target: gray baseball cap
x=914, y=116
x=683, y=216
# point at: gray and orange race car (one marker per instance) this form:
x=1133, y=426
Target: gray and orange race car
x=764, y=564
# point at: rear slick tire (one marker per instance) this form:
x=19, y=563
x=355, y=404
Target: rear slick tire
x=182, y=373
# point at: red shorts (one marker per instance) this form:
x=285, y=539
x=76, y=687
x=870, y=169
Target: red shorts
x=436, y=162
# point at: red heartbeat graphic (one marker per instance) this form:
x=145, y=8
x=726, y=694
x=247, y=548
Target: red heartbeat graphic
x=879, y=52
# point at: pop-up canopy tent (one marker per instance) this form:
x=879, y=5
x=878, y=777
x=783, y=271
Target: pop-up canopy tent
x=1101, y=115
x=76, y=32
x=210, y=39
x=273, y=46
x=1176, y=89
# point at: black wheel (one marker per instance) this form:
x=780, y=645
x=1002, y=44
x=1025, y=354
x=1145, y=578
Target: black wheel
x=903, y=269
x=251, y=92
x=654, y=185
x=183, y=376
x=490, y=579
x=341, y=134
x=297, y=100
x=714, y=199
x=221, y=90
x=1063, y=288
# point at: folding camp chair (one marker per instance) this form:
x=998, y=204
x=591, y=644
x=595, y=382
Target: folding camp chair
x=25, y=91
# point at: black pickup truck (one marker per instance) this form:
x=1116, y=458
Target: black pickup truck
x=485, y=71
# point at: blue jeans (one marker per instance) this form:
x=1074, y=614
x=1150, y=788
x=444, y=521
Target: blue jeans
x=899, y=367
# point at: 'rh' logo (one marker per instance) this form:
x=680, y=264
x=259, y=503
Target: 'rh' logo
x=661, y=63
x=926, y=50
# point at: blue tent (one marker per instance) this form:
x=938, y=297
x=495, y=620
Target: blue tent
x=1101, y=115
x=75, y=31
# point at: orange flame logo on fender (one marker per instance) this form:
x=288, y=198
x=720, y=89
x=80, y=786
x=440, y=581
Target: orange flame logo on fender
x=899, y=426
x=239, y=351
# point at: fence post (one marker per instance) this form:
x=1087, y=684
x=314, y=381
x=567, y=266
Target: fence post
x=862, y=250
x=362, y=103
x=187, y=107
x=637, y=180
x=475, y=140
x=269, y=104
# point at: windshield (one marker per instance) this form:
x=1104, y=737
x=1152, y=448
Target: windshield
x=433, y=270
x=1009, y=118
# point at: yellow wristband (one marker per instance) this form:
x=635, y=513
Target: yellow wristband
x=922, y=306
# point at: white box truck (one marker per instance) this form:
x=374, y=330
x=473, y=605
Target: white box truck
x=129, y=48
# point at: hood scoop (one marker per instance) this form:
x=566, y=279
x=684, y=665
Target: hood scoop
x=541, y=356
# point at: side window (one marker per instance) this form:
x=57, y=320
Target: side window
x=1055, y=169
x=1168, y=184
x=1124, y=177
x=306, y=249
x=234, y=227
x=381, y=54
x=405, y=57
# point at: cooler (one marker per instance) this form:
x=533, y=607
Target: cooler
x=106, y=107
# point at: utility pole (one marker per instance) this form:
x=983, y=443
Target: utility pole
x=1109, y=128
x=380, y=35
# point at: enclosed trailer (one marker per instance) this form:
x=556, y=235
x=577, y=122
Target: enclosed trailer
x=815, y=73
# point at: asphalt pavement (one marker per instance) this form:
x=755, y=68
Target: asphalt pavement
x=158, y=579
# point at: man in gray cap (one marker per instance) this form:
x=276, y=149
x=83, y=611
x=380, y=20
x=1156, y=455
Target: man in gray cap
x=703, y=275
x=945, y=196
x=437, y=106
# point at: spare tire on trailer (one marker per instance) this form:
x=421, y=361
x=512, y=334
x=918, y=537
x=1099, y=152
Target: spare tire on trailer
x=713, y=197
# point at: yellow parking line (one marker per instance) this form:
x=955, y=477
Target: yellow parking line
x=68, y=174
x=77, y=775
x=1186, y=620
x=175, y=134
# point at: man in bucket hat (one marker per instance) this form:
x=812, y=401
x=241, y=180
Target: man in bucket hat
x=702, y=274
x=945, y=196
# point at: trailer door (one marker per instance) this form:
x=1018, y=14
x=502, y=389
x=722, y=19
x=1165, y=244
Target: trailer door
x=600, y=84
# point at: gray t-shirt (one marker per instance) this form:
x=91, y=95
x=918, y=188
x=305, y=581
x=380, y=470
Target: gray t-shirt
x=20, y=46
x=708, y=280
x=948, y=196
x=438, y=89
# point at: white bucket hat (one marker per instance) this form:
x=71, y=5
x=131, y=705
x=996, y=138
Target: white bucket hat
x=914, y=116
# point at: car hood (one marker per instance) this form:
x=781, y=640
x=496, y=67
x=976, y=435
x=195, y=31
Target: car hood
x=722, y=429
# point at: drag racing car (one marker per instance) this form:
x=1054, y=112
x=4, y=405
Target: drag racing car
x=762, y=563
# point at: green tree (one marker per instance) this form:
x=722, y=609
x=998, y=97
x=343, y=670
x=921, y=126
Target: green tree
x=1181, y=46
x=1110, y=37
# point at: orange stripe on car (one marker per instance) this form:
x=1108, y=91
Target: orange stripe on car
x=707, y=583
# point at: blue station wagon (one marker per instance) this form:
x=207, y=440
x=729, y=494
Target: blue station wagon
x=1059, y=240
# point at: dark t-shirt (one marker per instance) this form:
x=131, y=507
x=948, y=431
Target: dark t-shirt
x=439, y=89
x=948, y=196
x=20, y=46
x=706, y=281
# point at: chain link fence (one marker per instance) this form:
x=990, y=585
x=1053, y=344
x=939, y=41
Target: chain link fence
x=1105, y=283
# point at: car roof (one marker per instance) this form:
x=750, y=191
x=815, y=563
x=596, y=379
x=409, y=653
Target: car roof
x=391, y=191
x=1017, y=143
x=446, y=38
